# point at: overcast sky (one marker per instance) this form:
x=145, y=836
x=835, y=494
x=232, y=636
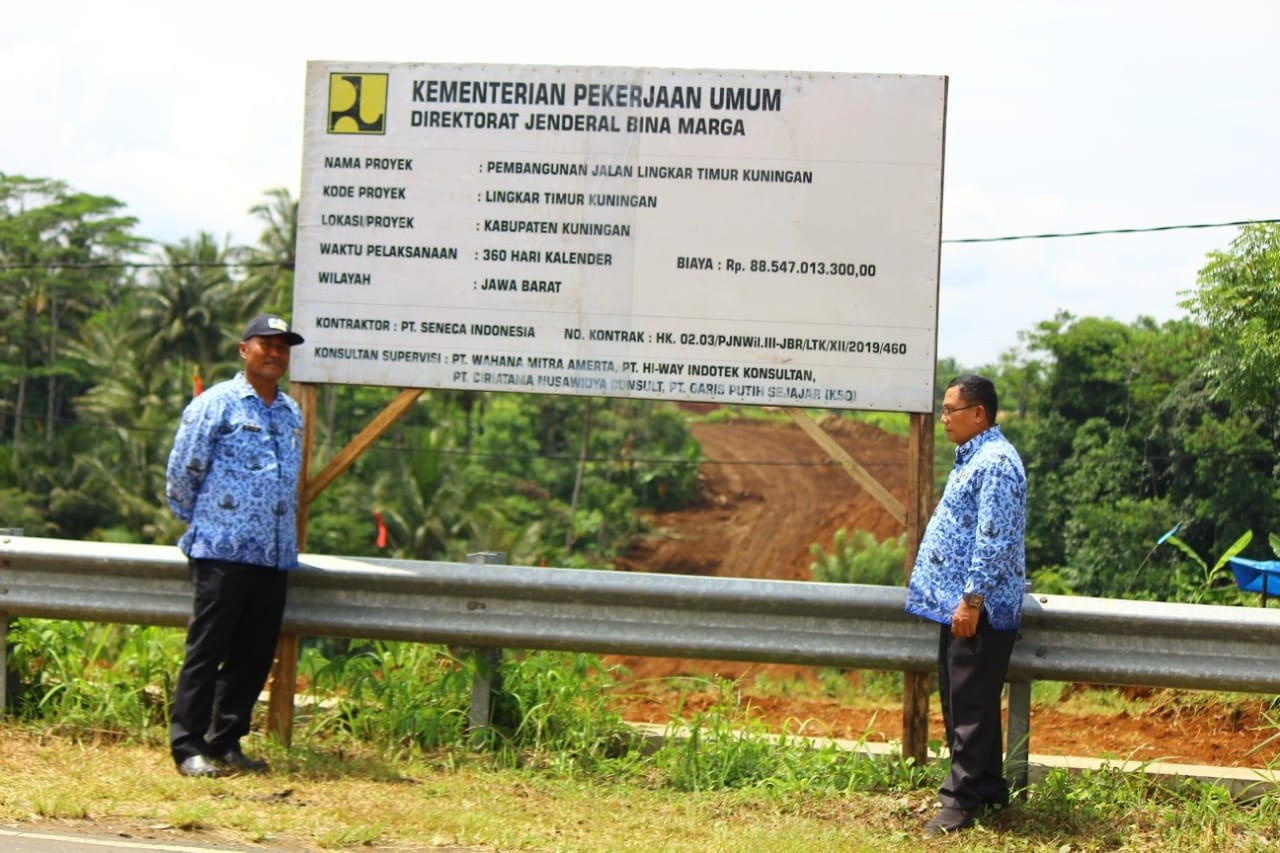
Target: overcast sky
x=1062, y=117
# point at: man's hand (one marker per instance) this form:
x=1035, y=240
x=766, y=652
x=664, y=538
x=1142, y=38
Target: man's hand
x=964, y=622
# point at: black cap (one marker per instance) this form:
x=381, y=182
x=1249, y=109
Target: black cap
x=270, y=325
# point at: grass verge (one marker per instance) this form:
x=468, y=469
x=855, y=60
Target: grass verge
x=321, y=798
x=382, y=760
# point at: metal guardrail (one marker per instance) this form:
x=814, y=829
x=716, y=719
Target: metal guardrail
x=1064, y=638
x=492, y=605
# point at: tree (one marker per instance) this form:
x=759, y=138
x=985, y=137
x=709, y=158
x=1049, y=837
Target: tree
x=1237, y=298
x=1109, y=521
x=130, y=413
x=188, y=308
x=1223, y=434
x=61, y=256
x=268, y=281
x=1091, y=371
x=1215, y=463
x=1090, y=397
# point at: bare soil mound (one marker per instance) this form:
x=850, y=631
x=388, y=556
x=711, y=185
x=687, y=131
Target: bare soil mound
x=769, y=493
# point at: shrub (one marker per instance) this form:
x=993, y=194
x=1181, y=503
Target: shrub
x=860, y=559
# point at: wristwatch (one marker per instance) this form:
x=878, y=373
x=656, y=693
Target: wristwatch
x=973, y=599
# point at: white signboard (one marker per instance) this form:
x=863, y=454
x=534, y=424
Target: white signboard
x=718, y=236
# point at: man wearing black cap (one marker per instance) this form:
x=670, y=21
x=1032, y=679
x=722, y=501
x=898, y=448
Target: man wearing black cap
x=233, y=478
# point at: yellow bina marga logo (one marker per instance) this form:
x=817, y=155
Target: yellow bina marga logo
x=357, y=103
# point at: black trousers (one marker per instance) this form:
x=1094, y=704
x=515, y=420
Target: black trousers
x=231, y=642
x=971, y=675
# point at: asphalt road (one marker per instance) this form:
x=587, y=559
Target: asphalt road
x=20, y=841
x=24, y=841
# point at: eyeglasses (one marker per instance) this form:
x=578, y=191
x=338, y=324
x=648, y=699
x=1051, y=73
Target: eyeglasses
x=947, y=411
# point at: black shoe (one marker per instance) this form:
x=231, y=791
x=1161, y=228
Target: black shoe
x=236, y=759
x=949, y=819
x=199, y=767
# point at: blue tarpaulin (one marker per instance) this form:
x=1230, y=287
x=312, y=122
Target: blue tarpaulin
x=1256, y=575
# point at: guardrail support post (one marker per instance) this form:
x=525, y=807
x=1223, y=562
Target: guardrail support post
x=1018, y=750
x=4, y=640
x=4, y=664
x=488, y=662
x=1017, y=753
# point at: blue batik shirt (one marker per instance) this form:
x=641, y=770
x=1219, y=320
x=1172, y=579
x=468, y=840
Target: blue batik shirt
x=974, y=542
x=233, y=476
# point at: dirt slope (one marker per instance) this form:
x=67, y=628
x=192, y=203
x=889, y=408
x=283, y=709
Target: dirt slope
x=770, y=493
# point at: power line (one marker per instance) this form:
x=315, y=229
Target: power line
x=1095, y=233
x=141, y=265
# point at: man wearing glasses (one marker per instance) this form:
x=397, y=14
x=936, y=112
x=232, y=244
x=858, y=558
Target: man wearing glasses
x=969, y=576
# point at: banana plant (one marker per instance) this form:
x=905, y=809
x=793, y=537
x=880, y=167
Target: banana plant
x=1219, y=568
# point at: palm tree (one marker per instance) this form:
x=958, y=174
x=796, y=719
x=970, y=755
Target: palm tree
x=132, y=410
x=268, y=281
x=188, y=305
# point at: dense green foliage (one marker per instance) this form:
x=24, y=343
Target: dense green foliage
x=859, y=558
